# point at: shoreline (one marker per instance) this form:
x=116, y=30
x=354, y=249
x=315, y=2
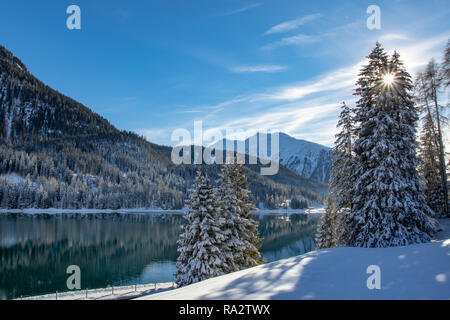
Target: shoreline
x=55, y=211
x=87, y=211
x=108, y=293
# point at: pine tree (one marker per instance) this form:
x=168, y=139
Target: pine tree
x=242, y=230
x=326, y=236
x=252, y=256
x=201, y=245
x=332, y=228
x=388, y=205
x=341, y=171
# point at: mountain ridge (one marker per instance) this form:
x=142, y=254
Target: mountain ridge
x=308, y=159
x=71, y=157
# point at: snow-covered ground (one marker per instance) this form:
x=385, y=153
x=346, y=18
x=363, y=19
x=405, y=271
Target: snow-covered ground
x=412, y=272
x=116, y=293
x=443, y=230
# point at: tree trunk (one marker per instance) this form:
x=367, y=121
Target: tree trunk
x=441, y=154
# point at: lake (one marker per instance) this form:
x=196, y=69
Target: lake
x=116, y=249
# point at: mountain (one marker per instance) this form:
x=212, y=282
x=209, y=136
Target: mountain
x=56, y=152
x=308, y=159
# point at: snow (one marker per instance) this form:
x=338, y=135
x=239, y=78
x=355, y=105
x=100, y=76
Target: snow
x=443, y=229
x=116, y=293
x=14, y=178
x=415, y=272
x=307, y=159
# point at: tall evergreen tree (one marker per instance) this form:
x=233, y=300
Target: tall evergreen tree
x=332, y=228
x=341, y=170
x=201, y=245
x=252, y=256
x=388, y=205
x=237, y=207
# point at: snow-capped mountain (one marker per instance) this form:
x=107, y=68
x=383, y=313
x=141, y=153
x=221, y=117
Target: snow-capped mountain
x=307, y=159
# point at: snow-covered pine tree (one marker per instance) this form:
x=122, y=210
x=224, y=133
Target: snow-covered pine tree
x=326, y=236
x=201, y=245
x=252, y=256
x=341, y=171
x=388, y=205
x=242, y=230
x=331, y=230
x=233, y=226
x=406, y=114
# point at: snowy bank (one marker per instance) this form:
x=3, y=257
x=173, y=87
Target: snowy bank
x=110, y=293
x=413, y=272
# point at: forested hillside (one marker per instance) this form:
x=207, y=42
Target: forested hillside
x=55, y=152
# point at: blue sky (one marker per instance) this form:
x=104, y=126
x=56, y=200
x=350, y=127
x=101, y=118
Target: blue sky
x=155, y=66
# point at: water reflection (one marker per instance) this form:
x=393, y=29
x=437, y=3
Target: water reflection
x=115, y=249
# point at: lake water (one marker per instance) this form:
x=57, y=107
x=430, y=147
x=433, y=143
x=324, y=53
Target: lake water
x=116, y=249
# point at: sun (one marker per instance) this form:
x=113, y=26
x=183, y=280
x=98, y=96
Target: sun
x=388, y=79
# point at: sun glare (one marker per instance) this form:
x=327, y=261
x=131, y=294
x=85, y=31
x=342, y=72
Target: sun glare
x=388, y=79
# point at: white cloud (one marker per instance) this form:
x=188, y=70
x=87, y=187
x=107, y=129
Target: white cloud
x=242, y=9
x=300, y=39
x=393, y=37
x=294, y=40
x=292, y=24
x=416, y=54
x=339, y=79
x=261, y=68
x=309, y=109
x=313, y=120
x=152, y=135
